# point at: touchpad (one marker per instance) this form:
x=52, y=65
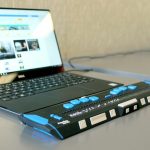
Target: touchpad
x=72, y=92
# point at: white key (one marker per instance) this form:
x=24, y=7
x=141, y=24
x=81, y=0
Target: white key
x=142, y=100
x=128, y=103
x=135, y=107
x=82, y=124
x=98, y=118
x=127, y=110
x=148, y=99
x=112, y=113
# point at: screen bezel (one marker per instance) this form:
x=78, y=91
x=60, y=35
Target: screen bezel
x=38, y=72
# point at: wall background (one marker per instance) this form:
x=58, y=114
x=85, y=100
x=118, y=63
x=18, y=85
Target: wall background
x=96, y=27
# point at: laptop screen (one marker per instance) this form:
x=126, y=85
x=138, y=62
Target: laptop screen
x=27, y=40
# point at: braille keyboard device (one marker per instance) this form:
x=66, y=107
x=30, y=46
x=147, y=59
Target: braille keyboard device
x=74, y=116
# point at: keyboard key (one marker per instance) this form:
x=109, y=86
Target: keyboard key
x=132, y=87
x=75, y=102
x=94, y=98
x=108, y=96
x=142, y=100
x=68, y=106
x=123, y=88
x=83, y=99
x=114, y=92
x=147, y=82
x=82, y=124
x=148, y=99
x=5, y=98
x=112, y=113
x=55, y=117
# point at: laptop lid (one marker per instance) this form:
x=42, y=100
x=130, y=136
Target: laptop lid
x=28, y=44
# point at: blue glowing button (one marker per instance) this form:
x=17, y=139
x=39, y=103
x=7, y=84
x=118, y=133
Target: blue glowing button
x=68, y=106
x=83, y=100
x=118, y=89
x=147, y=82
x=51, y=115
x=115, y=92
x=55, y=117
x=94, y=98
x=37, y=119
x=107, y=96
x=132, y=87
x=123, y=88
x=75, y=102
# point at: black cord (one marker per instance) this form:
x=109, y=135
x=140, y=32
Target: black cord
x=82, y=70
x=70, y=61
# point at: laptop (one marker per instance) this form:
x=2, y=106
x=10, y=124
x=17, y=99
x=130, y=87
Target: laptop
x=29, y=47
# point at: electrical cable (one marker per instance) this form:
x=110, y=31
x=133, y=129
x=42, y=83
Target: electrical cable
x=82, y=70
x=70, y=61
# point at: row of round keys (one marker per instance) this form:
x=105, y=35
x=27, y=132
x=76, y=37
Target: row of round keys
x=79, y=101
x=112, y=92
x=121, y=89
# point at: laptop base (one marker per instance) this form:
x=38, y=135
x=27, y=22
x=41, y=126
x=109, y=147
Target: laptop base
x=75, y=116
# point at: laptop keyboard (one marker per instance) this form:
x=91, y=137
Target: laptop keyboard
x=30, y=87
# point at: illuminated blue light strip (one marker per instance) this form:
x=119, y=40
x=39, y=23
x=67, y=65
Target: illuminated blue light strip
x=42, y=121
x=56, y=131
x=42, y=131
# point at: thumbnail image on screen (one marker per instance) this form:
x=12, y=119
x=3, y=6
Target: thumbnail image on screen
x=20, y=45
x=33, y=45
x=6, y=50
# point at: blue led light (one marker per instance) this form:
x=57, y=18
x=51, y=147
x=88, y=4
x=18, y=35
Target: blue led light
x=114, y=92
x=123, y=88
x=75, y=102
x=42, y=121
x=42, y=131
x=60, y=135
x=55, y=117
x=94, y=98
x=132, y=87
x=68, y=105
x=107, y=96
x=147, y=82
x=83, y=100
